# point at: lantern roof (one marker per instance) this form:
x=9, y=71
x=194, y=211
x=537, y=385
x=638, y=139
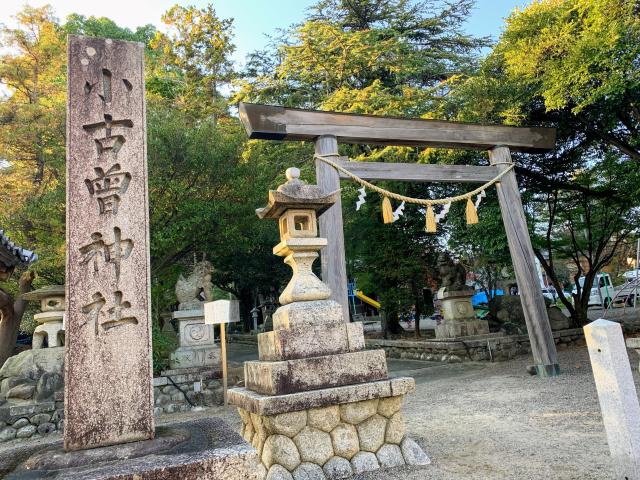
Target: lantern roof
x=295, y=193
x=44, y=292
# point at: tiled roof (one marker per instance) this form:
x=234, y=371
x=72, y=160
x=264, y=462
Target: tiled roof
x=11, y=254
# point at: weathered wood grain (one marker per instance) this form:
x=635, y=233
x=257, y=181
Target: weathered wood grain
x=108, y=393
x=333, y=261
x=279, y=123
x=543, y=346
x=419, y=172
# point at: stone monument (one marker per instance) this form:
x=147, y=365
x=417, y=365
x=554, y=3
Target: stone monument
x=51, y=317
x=459, y=318
x=196, y=348
x=317, y=404
x=109, y=430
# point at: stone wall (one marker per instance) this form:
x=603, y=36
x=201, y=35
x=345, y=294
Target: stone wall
x=31, y=420
x=332, y=442
x=483, y=348
x=174, y=391
x=26, y=417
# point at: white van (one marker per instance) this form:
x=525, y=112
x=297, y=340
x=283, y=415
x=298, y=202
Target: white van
x=601, y=291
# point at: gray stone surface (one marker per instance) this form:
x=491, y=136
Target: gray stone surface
x=290, y=376
x=304, y=342
x=21, y=422
x=324, y=418
x=309, y=471
x=314, y=445
x=413, y=453
x=396, y=428
x=345, y=440
x=108, y=328
x=617, y=395
x=390, y=456
x=272, y=405
x=26, y=431
x=32, y=363
x=40, y=418
x=23, y=392
x=358, y=412
x=371, y=433
x=288, y=424
x=390, y=405
x=45, y=428
x=7, y=433
x=280, y=449
x=337, y=468
x=364, y=462
x=202, y=449
x=307, y=314
x=278, y=472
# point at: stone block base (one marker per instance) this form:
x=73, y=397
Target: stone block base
x=190, y=357
x=202, y=449
x=462, y=328
x=290, y=376
x=333, y=441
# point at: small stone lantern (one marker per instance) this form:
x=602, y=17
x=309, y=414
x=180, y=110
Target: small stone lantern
x=296, y=206
x=52, y=304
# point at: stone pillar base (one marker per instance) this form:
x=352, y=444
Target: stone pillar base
x=462, y=328
x=329, y=433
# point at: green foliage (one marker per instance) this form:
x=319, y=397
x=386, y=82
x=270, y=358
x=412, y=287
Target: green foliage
x=194, y=60
x=164, y=345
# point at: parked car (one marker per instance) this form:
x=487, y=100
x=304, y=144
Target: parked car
x=550, y=293
x=602, y=290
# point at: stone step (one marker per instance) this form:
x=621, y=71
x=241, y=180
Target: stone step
x=290, y=376
x=312, y=341
x=306, y=314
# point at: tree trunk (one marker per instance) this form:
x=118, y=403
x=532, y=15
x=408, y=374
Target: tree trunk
x=418, y=301
x=11, y=314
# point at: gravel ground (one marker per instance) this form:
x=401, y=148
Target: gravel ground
x=494, y=421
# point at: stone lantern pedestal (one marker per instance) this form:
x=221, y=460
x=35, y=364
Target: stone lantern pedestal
x=459, y=318
x=317, y=404
x=196, y=347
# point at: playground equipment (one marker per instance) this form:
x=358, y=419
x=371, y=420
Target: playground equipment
x=368, y=300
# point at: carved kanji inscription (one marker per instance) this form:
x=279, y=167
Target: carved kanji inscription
x=108, y=349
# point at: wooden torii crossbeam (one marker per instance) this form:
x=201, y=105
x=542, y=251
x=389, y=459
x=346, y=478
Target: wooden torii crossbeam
x=327, y=129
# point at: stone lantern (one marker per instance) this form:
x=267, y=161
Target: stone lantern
x=296, y=205
x=52, y=306
x=317, y=403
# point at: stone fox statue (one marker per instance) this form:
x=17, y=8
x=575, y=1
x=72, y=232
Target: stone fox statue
x=453, y=276
x=188, y=289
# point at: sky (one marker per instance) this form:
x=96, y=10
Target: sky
x=254, y=19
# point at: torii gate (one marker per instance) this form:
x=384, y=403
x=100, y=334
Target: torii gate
x=327, y=129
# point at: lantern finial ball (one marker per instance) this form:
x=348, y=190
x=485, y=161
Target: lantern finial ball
x=292, y=173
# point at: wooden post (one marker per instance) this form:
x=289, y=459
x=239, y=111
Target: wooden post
x=543, y=347
x=334, y=272
x=223, y=351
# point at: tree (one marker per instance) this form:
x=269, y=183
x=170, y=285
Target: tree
x=570, y=65
x=390, y=57
x=11, y=311
x=195, y=58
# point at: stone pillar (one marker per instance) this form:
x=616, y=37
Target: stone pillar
x=459, y=318
x=617, y=395
x=317, y=404
x=108, y=393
